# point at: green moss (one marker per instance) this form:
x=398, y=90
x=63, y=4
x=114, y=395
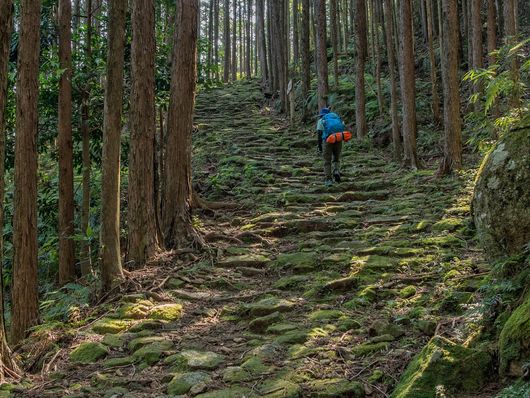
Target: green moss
x=260, y=324
x=182, y=383
x=369, y=348
x=281, y=328
x=292, y=337
x=88, y=353
x=233, y=392
x=140, y=342
x=167, y=312
x=280, y=389
x=334, y=388
x=138, y=310
x=448, y=224
x=291, y=282
x=407, y=292
x=442, y=362
x=269, y=305
x=514, y=341
x=325, y=315
x=298, y=262
x=151, y=353
x=202, y=359
x=108, y=325
x=110, y=363
x=114, y=340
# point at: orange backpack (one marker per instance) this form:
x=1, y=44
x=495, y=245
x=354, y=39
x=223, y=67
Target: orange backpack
x=338, y=137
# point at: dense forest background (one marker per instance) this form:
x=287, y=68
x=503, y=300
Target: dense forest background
x=106, y=172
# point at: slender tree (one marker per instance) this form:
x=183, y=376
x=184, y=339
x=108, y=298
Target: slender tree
x=65, y=148
x=143, y=232
x=432, y=59
x=476, y=27
x=248, y=41
x=226, y=40
x=7, y=364
x=176, y=216
x=216, y=38
x=408, y=82
x=85, y=256
x=322, y=57
x=306, y=61
x=335, y=41
x=492, y=31
x=452, y=123
x=396, y=135
x=234, y=40
x=111, y=268
x=362, y=49
x=261, y=41
x=25, y=313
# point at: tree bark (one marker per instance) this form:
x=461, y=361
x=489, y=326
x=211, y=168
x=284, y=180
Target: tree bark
x=432, y=60
x=362, y=50
x=248, y=58
x=216, y=39
x=296, y=39
x=25, y=295
x=321, y=52
x=452, y=123
x=234, y=41
x=306, y=61
x=111, y=268
x=261, y=41
x=396, y=135
x=492, y=31
x=334, y=42
x=143, y=232
x=7, y=363
x=408, y=88
x=176, y=216
x=85, y=255
x=65, y=148
x=226, y=39
x=476, y=25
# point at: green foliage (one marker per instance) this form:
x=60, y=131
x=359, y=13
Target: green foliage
x=66, y=303
x=506, y=95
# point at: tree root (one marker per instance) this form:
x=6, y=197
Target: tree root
x=199, y=203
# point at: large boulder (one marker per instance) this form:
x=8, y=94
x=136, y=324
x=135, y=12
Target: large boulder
x=501, y=202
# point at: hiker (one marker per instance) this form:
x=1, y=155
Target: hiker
x=328, y=124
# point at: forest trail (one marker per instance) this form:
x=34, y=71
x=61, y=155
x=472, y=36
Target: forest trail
x=311, y=291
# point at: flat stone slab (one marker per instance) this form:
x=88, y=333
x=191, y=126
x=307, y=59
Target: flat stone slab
x=270, y=305
x=202, y=359
x=246, y=260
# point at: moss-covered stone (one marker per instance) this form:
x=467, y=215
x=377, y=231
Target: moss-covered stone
x=269, y=305
x=151, y=353
x=232, y=392
x=149, y=324
x=514, y=341
x=88, y=353
x=280, y=389
x=138, y=310
x=108, y=325
x=123, y=361
x=182, y=383
x=292, y=337
x=281, y=328
x=325, y=315
x=334, y=388
x=501, y=202
x=206, y=360
x=140, y=342
x=114, y=340
x=407, y=292
x=167, y=312
x=298, y=262
x=369, y=348
x=448, y=224
x=260, y=324
x=441, y=362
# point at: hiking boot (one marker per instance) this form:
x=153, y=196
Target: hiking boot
x=328, y=183
x=336, y=176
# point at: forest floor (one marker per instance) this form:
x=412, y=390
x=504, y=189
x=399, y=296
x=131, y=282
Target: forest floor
x=308, y=291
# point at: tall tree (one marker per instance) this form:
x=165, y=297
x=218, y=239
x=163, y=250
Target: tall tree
x=362, y=50
x=65, y=148
x=492, y=30
x=279, y=50
x=25, y=298
x=408, y=83
x=452, y=123
x=296, y=40
x=111, y=268
x=335, y=41
x=432, y=60
x=322, y=57
x=248, y=67
x=476, y=27
x=226, y=44
x=234, y=40
x=306, y=61
x=143, y=231
x=261, y=41
x=85, y=256
x=396, y=135
x=176, y=215
x=7, y=364
x=216, y=39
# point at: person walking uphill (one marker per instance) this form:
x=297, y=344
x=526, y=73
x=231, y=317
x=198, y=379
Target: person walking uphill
x=331, y=132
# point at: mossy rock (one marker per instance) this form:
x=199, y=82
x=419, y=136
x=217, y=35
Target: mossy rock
x=166, y=312
x=140, y=342
x=334, y=388
x=291, y=282
x=514, y=341
x=236, y=374
x=138, y=310
x=448, y=224
x=298, y=262
x=501, y=201
x=267, y=352
x=232, y=392
x=280, y=389
x=407, y=292
x=269, y=305
x=206, y=360
x=110, y=326
x=181, y=384
x=149, y=324
x=292, y=337
x=281, y=328
x=441, y=362
x=114, y=340
x=151, y=353
x=370, y=348
x=259, y=325
x=88, y=353
x=325, y=315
